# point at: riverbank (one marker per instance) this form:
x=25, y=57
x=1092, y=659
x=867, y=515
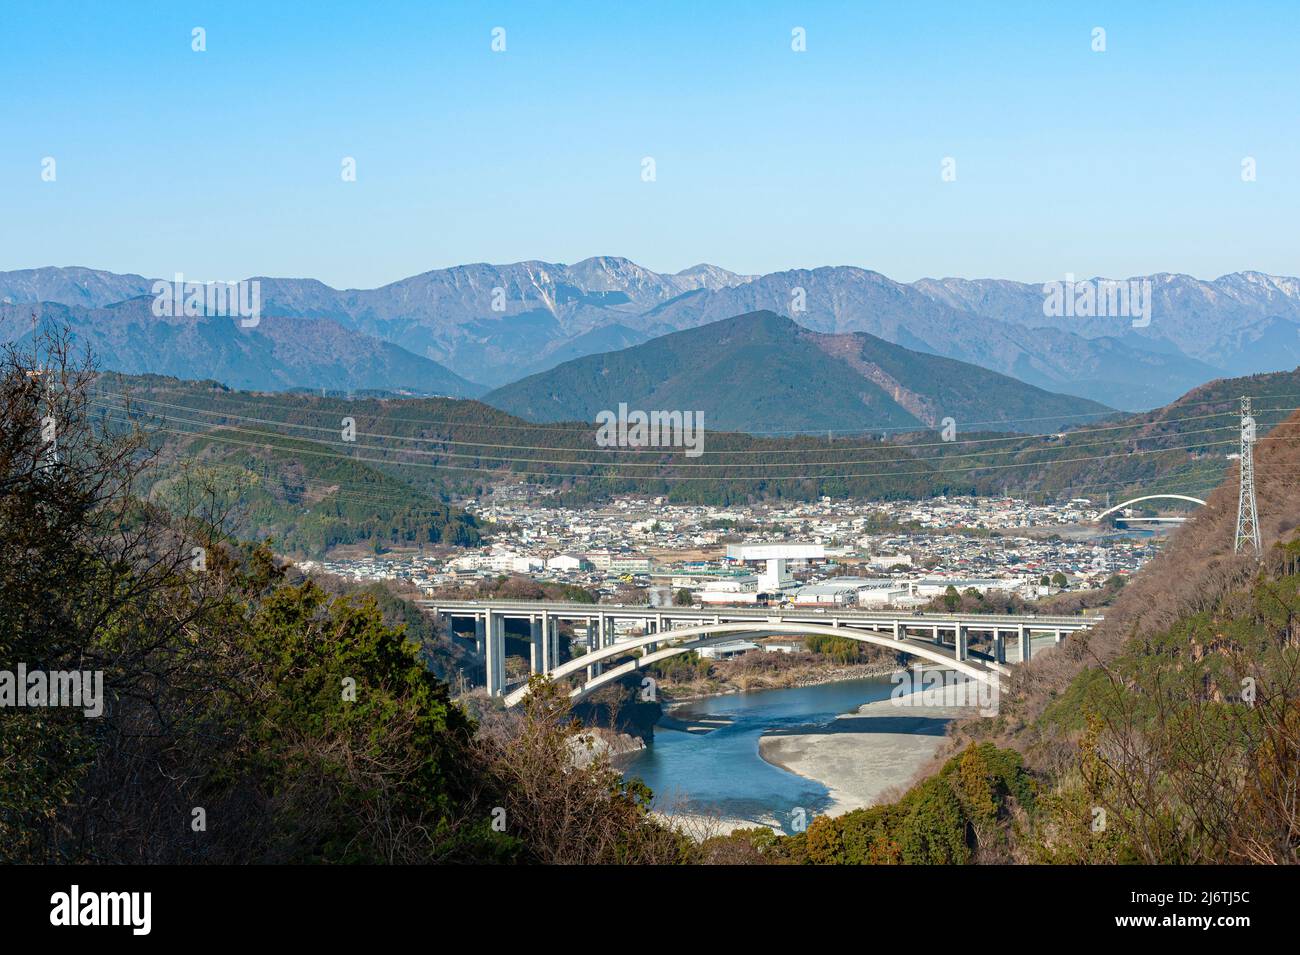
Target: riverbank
x=705, y=769
x=865, y=755
x=600, y=742
x=782, y=678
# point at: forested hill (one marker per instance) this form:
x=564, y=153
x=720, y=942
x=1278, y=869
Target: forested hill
x=764, y=374
x=395, y=477
x=1192, y=575
x=1183, y=700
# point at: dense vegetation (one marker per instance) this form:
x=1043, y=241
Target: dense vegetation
x=689, y=674
x=304, y=494
x=270, y=495
x=247, y=716
x=284, y=459
x=971, y=600
x=960, y=815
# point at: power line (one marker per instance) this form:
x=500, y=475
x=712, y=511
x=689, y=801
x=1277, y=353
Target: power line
x=764, y=451
x=366, y=494
x=908, y=458
x=660, y=464
x=566, y=427
x=936, y=472
x=212, y=434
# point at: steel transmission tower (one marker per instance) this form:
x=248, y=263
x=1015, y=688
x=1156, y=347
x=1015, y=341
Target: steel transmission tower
x=1247, y=515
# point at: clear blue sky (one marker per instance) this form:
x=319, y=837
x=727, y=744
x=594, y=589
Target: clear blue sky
x=226, y=163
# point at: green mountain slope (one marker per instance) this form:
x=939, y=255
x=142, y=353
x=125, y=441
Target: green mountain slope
x=763, y=373
x=302, y=482
x=305, y=500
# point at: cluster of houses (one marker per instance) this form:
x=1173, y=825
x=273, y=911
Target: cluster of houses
x=824, y=553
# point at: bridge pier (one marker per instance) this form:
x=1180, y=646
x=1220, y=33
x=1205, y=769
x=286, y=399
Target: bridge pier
x=961, y=642
x=602, y=637
x=547, y=643
x=535, y=654
x=1056, y=636
x=495, y=640
x=999, y=647
x=900, y=630
x=479, y=629
x=1026, y=644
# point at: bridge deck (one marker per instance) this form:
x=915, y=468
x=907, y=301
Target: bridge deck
x=700, y=626
x=571, y=610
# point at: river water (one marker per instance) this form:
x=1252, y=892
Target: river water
x=721, y=773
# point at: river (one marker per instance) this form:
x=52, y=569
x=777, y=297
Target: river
x=721, y=772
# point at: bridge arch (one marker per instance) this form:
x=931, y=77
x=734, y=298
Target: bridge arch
x=1149, y=497
x=706, y=634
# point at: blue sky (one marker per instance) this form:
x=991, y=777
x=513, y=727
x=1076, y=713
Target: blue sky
x=226, y=163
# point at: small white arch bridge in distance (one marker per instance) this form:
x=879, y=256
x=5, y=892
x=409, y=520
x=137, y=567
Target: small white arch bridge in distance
x=1148, y=497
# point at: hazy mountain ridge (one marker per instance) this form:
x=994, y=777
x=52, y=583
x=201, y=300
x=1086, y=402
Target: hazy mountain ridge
x=546, y=313
x=279, y=353
x=1228, y=322
x=73, y=285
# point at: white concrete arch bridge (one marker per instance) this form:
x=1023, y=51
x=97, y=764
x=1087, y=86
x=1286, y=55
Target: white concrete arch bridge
x=944, y=639
x=1152, y=497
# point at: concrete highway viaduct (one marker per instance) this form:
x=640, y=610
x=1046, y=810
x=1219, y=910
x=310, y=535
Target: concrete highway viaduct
x=943, y=639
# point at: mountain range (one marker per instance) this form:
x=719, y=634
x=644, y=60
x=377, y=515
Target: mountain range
x=762, y=372
x=279, y=354
x=494, y=324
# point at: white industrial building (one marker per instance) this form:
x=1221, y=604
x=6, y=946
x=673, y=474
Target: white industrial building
x=725, y=651
x=623, y=564
x=731, y=590
x=832, y=593
x=777, y=558
x=937, y=586
x=566, y=563
x=783, y=646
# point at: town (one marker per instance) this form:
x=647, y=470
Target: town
x=876, y=554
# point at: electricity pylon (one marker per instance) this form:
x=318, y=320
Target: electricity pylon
x=1247, y=514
